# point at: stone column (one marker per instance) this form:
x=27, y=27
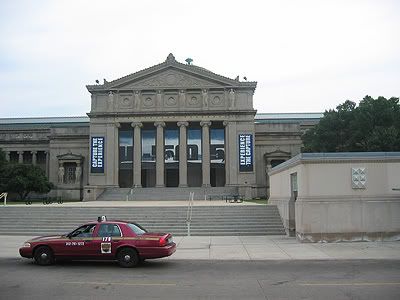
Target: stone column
x=160, y=154
x=227, y=149
x=34, y=157
x=137, y=154
x=8, y=155
x=116, y=156
x=20, y=157
x=206, y=152
x=46, y=153
x=182, y=154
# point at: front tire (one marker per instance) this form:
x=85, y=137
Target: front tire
x=44, y=256
x=128, y=258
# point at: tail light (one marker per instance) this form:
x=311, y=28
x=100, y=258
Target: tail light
x=163, y=240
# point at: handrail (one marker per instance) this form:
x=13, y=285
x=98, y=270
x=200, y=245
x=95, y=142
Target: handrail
x=5, y=198
x=189, y=212
x=129, y=195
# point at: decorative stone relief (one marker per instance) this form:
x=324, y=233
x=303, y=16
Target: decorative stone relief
x=148, y=102
x=125, y=101
x=159, y=98
x=110, y=101
x=358, y=178
x=182, y=98
x=193, y=101
x=170, y=79
x=231, y=98
x=204, y=94
x=136, y=102
x=171, y=101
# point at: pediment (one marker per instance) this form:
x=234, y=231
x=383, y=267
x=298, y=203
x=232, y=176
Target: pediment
x=69, y=157
x=172, y=75
x=170, y=79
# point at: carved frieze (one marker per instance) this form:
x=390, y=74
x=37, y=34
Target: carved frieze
x=23, y=136
x=125, y=101
x=168, y=79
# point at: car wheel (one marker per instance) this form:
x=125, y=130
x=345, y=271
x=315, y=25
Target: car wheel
x=44, y=256
x=128, y=258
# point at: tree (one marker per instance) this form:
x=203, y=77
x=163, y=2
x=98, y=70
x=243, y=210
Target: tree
x=24, y=179
x=372, y=126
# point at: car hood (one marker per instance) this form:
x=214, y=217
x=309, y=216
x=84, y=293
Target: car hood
x=47, y=238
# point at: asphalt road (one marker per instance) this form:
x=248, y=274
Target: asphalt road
x=188, y=279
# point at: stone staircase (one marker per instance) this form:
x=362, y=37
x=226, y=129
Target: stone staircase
x=206, y=220
x=160, y=194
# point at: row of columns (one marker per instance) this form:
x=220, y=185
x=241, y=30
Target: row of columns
x=182, y=125
x=34, y=157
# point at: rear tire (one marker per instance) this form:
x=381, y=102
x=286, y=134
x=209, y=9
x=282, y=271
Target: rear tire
x=128, y=258
x=44, y=256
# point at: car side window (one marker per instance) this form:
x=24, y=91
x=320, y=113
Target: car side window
x=106, y=230
x=84, y=231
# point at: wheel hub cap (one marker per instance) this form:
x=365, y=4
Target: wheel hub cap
x=127, y=258
x=43, y=256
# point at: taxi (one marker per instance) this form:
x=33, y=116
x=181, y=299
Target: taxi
x=126, y=242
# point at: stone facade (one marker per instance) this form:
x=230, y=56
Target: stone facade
x=170, y=125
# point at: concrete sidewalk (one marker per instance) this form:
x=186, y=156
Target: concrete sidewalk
x=139, y=203
x=253, y=248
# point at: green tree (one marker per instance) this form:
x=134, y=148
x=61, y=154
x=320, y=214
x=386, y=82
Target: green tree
x=24, y=179
x=372, y=126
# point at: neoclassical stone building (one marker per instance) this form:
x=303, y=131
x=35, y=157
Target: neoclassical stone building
x=158, y=134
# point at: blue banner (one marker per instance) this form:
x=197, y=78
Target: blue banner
x=97, y=154
x=245, y=152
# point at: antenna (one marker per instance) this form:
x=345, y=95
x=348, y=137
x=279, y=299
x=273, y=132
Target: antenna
x=189, y=60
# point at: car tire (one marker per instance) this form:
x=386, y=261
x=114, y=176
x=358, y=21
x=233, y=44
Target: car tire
x=128, y=258
x=44, y=256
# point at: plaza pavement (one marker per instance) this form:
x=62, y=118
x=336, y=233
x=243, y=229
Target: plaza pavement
x=249, y=248
x=237, y=247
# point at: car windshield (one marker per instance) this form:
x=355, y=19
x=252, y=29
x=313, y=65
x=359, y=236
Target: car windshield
x=136, y=228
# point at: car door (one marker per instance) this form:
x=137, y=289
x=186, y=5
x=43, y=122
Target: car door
x=79, y=243
x=108, y=238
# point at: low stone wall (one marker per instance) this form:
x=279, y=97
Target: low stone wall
x=339, y=196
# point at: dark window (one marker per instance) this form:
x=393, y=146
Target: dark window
x=106, y=230
x=136, y=229
x=83, y=231
x=69, y=175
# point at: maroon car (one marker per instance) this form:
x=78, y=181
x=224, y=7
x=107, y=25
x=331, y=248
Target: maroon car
x=126, y=242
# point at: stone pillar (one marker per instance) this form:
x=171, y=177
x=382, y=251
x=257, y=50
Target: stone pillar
x=8, y=155
x=182, y=154
x=116, y=156
x=160, y=154
x=206, y=152
x=20, y=157
x=46, y=153
x=34, y=157
x=227, y=149
x=137, y=154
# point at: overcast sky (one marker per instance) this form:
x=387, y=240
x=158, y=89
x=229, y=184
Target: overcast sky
x=307, y=56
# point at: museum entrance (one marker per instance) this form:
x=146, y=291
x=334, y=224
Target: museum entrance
x=171, y=155
x=148, y=173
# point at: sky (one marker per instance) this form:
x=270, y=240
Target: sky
x=307, y=56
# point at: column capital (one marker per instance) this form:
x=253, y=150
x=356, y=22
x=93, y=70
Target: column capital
x=137, y=124
x=183, y=123
x=117, y=124
x=159, y=124
x=205, y=123
x=20, y=152
x=33, y=152
x=225, y=123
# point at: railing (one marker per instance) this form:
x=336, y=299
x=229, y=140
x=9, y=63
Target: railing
x=129, y=195
x=189, y=212
x=4, y=195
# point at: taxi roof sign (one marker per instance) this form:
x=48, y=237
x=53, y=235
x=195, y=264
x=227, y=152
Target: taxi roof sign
x=102, y=219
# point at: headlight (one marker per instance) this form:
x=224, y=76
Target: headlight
x=26, y=245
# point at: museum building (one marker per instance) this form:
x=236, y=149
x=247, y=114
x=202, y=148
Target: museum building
x=160, y=133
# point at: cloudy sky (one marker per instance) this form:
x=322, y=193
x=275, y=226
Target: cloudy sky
x=307, y=56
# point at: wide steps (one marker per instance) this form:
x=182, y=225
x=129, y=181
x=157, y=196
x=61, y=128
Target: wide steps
x=206, y=220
